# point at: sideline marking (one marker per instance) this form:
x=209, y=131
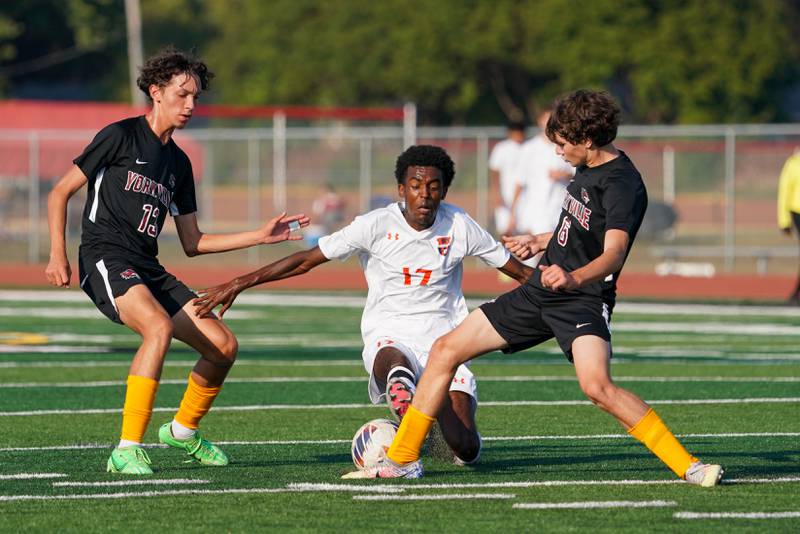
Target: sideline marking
x=131, y=482
x=30, y=476
x=448, y=497
x=90, y=446
x=265, y=407
x=735, y=515
x=592, y=504
x=315, y=379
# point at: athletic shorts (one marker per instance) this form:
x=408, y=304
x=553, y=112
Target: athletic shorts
x=528, y=316
x=463, y=380
x=105, y=277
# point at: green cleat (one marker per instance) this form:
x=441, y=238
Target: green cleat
x=199, y=449
x=130, y=461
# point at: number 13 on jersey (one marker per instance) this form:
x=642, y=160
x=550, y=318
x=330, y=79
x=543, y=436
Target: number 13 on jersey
x=426, y=276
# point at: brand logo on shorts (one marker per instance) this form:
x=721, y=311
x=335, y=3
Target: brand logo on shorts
x=127, y=274
x=584, y=196
x=443, y=243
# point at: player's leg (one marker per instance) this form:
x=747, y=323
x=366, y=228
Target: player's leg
x=218, y=348
x=394, y=374
x=142, y=313
x=473, y=337
x=457, y=421
x=591, y=356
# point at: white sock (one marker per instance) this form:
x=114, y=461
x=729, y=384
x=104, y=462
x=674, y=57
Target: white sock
x=181, y=432
x=128, y=443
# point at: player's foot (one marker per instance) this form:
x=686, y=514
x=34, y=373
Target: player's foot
x=399, y=393
x=199, y=449
x=129, y=460
x=705, y=475
x=389, y=469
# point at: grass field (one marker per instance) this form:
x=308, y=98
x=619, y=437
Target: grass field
x=726, y=379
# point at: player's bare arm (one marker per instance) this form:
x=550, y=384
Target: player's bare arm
x=224, y=294
x=275, y=230
x=524, y=246
x=610, y=261
x=517, y=270
x=58, y=271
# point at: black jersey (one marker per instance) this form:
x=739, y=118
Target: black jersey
x=134, y=179
x=607, y=197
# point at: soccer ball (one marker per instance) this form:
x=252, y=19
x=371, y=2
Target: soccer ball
x=372, y=441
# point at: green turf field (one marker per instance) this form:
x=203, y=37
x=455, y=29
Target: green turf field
x=726, y=379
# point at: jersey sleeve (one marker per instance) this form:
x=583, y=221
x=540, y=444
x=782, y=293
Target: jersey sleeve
x=102, y=151
x=184, y=201
x=495, y=157
x=480, y=243
x=622, y=203
x=355, y=237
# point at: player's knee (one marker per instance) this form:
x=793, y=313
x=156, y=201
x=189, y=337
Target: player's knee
x=228, y=348
x=599, y=392
x=444, y=354
x=159, y=329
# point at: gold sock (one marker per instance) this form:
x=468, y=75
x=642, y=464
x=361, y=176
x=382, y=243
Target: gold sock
x=410, y=436
x=655, y=435
x=139, y=397
x=196, y=402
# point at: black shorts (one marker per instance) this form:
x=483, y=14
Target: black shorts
x=105, y=277
x=528, y=316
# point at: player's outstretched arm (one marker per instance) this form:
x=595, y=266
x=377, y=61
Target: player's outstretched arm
x=277, y=229
x=224, y=294
x=517, y=270
x=58, y=271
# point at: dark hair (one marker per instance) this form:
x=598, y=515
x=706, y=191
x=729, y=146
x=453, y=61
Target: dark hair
x=425, y=156
x=160, y=68
x=516, y=126
x=582, y=115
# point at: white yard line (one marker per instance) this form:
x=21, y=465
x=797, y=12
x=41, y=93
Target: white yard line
x=735, y=515
x=348, y=379
x=31, y=476
x=264, y=407
x=592, y=504
x=445, y=497
x=292, y=442
x=130, y=482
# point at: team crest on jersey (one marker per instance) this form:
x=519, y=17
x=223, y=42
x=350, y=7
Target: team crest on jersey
x=443, y=243
x=127, y=274
x=584, y=196
x=172, y=181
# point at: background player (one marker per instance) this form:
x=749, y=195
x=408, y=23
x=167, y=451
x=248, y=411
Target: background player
x=136, y=173
x=570, y=297
x=506, y=184
x=411, y=252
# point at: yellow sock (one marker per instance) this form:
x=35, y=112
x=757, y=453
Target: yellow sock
x=655, y=435
x=410, y=436
x=196, y=402
x=139, y=398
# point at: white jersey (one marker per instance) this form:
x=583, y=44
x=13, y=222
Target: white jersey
x=414, y=278
x=503, y=159
x=540, y=204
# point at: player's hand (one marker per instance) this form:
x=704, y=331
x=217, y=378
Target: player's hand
x=280, y=228
x=58, y=272
x=522, y=246
x=210, y=298
x=557, y=279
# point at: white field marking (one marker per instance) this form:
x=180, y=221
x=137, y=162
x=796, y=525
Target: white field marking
x=348, y=379
x=260, y=407
x=128, y=482
x=93, y=313
x=554, y=483
x=592, y=504
x=709, y=328
x=302, y=486
x=194, y=491
x=265, y=298
x=90, y=446
x=447, y=497
x=188, y=363
x=735, y=515
x=49, y=349
x=30, y=476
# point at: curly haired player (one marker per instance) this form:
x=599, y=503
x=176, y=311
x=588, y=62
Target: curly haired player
x=136, y=174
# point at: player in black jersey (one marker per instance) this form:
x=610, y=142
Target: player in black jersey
x=570, y=297
x=136, y=174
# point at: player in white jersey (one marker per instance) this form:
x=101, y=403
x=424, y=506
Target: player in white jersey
x=411, y=252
